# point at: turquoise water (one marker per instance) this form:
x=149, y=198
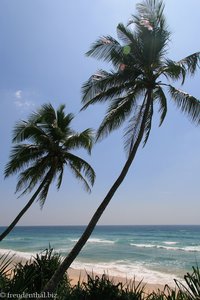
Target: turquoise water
x=155, y=253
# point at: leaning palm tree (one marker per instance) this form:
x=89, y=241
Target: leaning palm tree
x=141, y=75
x=49, y=147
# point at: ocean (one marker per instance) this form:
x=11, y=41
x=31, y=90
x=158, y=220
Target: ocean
x=156, y=254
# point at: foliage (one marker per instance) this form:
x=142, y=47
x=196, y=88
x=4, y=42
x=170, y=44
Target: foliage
x=167, y=294
x=32, y=276
x=99, y=288
x=140, y=77
x=43, y=146
x=191, y=287
x=5, y=269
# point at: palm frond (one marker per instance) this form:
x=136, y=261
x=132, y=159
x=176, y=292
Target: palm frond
x=94, y=86
x=126, y=35
x=45, y=189
x=33, y=175
x=123, y=58
x=45, y=114
x=82, y=166
x=6, y=260
x=117, y=113
x=80, y=177
x=103, y=48
x=159, y=95
x=179, y=70
x=83, y=139
x=148, y=124
x=21, y=156
x=152, y=11
x=173, y=70
x=108, y=86
x=64, y=121
x=27, y=131
x=60, y=177
x=133, y=41
x=34, y=134
x=98, y=84
x=190, y=63
x=188, y=104
x=151, y=31
x=132, y=130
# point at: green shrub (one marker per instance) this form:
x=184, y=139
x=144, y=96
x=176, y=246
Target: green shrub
x=191, y=287
x=5, y=269
x=32, y=276
x=167, y=294
x=103, y=288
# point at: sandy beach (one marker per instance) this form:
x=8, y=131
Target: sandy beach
x=79, y=274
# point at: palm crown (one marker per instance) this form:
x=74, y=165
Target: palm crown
x=49, y=148
x=136, y=82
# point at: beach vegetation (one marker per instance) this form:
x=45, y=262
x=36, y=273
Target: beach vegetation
x=42, y=147
x=30, y=277
x=103, y=287
x=191, y=285
x=140, y=82
x=5, y=269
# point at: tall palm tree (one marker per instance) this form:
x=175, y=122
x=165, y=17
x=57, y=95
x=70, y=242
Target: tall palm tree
x=140, y=77
x=49, y=147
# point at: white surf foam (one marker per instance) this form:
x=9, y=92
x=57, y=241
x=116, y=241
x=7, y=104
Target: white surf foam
x=17, y=254
x=128, y=270
x=96, y=240
x=186, y=249
x=143, y=245
x=170, y=243
x=192, y=248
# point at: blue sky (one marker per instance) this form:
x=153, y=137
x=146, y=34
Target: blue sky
x=43, y=45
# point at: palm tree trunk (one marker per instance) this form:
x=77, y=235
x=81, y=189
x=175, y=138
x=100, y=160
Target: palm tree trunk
x=26, y=207
x=52, y=284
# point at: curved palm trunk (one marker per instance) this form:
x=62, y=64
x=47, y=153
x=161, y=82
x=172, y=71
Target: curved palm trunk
x=22, y=212
x=52, y=284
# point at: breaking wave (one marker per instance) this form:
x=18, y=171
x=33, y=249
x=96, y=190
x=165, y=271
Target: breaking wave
x=186, y=249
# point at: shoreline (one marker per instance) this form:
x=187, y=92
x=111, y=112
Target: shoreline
x=76, y=272
x=81, y=274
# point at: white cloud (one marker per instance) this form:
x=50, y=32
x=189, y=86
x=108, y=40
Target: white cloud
x=18, y=94
x=22, y=102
